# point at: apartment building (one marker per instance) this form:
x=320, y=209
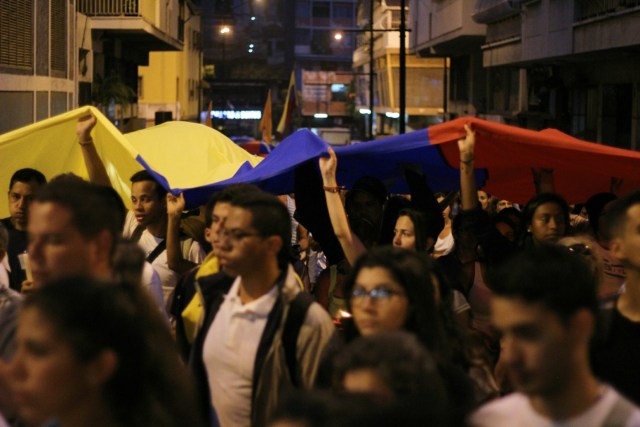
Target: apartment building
x=37, y=60
x=58, y=54
x=569, y=64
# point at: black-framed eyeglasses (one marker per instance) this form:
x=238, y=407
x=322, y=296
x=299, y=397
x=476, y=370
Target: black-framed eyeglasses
x=376, y=294
x=235, y=235
x=580, y=248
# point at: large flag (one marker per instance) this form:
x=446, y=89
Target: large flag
x=505, y=156
x=266, y=124
x=180, y=155
x=198, y=160
x=291, y=104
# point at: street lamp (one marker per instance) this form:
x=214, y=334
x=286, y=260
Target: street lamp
x=224, y=33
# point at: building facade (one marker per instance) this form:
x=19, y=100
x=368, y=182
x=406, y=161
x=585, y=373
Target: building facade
x=37, y=60
x=171, y=84
x=58, y=54
x=570, y=65
x=323, y=62
x=245, y=55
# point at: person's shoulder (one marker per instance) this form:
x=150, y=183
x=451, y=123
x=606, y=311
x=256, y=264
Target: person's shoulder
x=8, y=224
x=501, y=412
x=130, y=224
x=318, y=315
x=620, y=410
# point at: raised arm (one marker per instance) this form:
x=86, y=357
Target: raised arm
x=468, y=192
x=93, y=162
x=543, y=180
x=175, y=260
x=350, y=243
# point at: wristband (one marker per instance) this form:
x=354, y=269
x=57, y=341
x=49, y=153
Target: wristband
x=87, y=142
x=467, y=162
x=330, y=189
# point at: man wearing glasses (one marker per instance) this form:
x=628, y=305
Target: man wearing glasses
x=244, y=351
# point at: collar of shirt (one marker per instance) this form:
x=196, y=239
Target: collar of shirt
x=260, y=307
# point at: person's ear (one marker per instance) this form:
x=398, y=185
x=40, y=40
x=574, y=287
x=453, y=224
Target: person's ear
x=616, y=248
x=102, y=367
x=582, y=324
x=101, y=245
x=274, y=244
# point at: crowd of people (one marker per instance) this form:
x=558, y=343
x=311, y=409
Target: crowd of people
x=326, y=307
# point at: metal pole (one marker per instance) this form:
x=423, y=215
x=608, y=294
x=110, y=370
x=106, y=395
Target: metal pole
x=403, y=66
x=371, y=73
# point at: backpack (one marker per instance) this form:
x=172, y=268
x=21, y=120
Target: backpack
x=297, y=313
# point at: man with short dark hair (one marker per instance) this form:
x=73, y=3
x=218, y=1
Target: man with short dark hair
x=23, y=186
x=545, y=305
x=616, y=353
x=154, y=222
x=204, y=283
x=247, y=362
x=73, y=228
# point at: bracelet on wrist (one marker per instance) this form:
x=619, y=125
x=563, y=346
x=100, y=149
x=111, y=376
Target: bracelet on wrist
x=468, y=161
x=87, y=142
x=333, y=189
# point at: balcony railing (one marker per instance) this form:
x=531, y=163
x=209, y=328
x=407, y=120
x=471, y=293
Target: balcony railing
x=506, y=29
x=108, y=7
x=586, y=9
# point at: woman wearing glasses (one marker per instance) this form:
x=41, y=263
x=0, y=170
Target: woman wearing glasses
x=392, y=289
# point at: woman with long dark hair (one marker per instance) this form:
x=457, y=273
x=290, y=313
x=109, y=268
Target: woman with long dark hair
x=97, y=353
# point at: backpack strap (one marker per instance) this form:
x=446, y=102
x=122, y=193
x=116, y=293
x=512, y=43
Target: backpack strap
x=137, y=233
x=297, y=314
x=135, y=237
x=157, y=251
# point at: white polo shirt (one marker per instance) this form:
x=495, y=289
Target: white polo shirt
x=229, y=354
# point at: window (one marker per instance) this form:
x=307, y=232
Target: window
x=343, y=14
x=321, y=9
x=16, y=34
x=321, y=13
x=338, y=92
x=503, y=87
x=59, y=35
x=460, y=78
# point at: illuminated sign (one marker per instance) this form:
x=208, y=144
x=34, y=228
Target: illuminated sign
x=236, y=115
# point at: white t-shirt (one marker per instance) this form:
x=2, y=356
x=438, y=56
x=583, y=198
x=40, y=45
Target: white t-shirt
x=229, y=354
x=148, y=242
x=4, y=272
x=151, y=282
x=515, y=410
x=444, y=246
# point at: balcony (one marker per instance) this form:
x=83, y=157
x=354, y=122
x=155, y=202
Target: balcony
x=606, y=24
x=586, y=9
x=145, y=25
x=108, y=7
x=446, y=28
